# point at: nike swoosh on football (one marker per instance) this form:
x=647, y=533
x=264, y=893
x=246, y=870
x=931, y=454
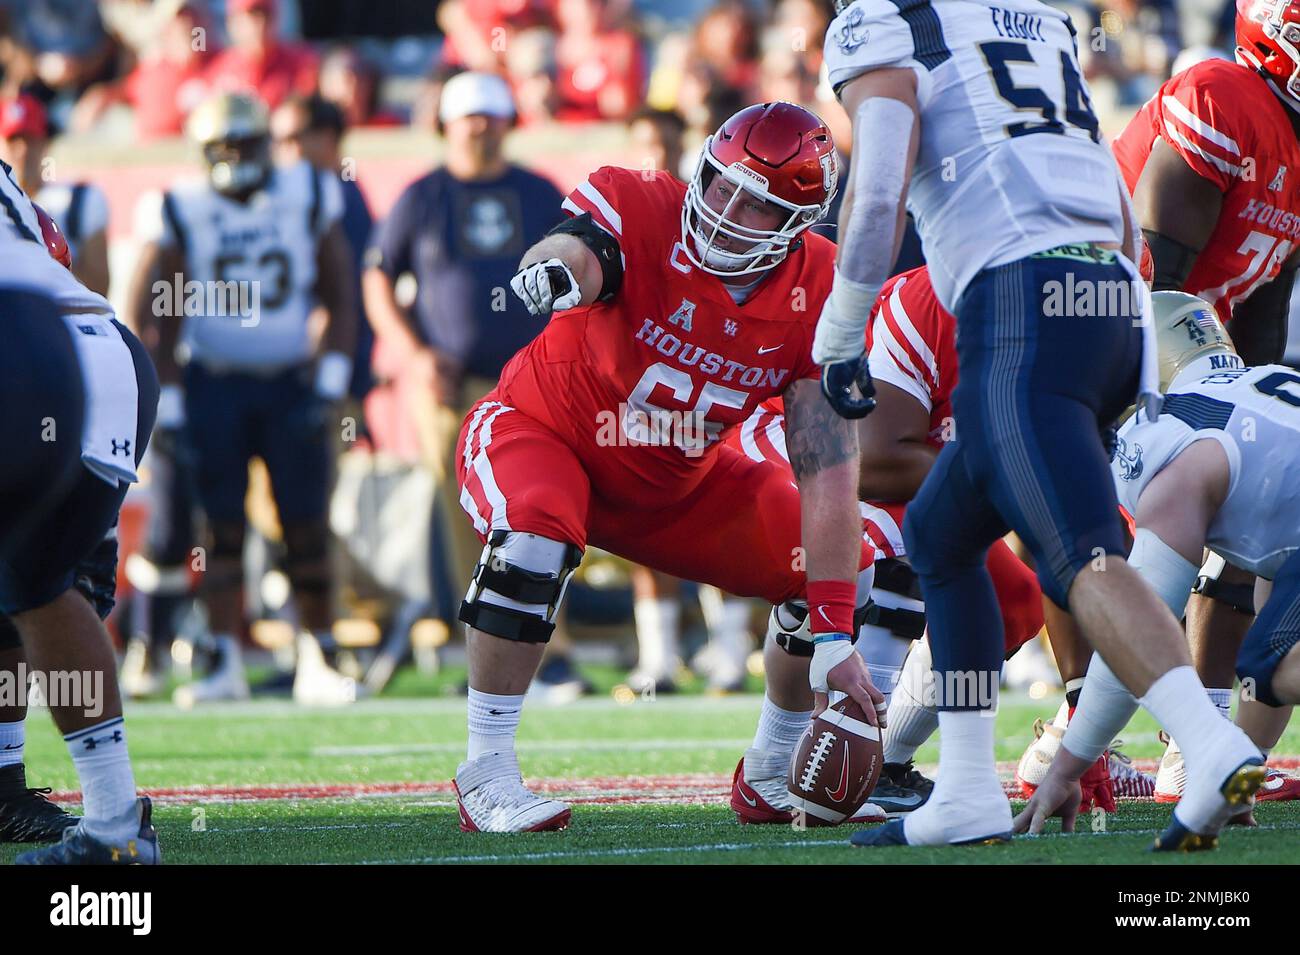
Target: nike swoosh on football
x=842, y=790
x=764, y=351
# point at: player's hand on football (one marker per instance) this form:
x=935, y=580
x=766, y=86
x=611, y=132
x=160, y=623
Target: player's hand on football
x=1056, y=795
x=849, y=675
x=848, y=387
x=546, y=286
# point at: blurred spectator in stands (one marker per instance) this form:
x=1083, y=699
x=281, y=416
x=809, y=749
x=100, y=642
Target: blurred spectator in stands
x=257, y=60
x=802, y=24
x=352, y=84
x=79, y=208
x=655, y=139
x=726, y=41
x=704, y=108
x=312, y=128
x=784, y=72
x=479, y=32
x=459, y=231
x=602, y=70
x=531, y=69
x=168, y=80
x=53, y=48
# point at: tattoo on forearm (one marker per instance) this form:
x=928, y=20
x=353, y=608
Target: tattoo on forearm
x=817, y=438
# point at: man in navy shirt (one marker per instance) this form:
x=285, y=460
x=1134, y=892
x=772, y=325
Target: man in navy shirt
x=460, y=232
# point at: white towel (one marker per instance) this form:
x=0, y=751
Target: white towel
x=108, y=434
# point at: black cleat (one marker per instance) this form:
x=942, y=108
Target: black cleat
x=901, y=789
x=1237, y=790
x=80, y=848
x=25, y=814
x=890, y=834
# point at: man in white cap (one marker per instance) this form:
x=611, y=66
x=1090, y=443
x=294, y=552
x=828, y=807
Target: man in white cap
x=459, y=231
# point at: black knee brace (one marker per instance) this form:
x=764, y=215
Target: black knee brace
x=495, y=574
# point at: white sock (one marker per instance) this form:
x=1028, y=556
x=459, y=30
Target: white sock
x=12, y=738
x=968, y=801
x=493, y=720
x=1221, y=697
x=884, y=678
x=779, y=730
x=731, y=633
x=107, y=784
x=911, y=720
x=657, y=623
x=1212, y=746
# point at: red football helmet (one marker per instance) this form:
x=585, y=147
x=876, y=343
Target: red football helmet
x=778, y=158
x=1268, y=38
x=55, y=242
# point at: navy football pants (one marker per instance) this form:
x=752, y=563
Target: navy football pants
x=1274, y=633
x=53, y=511
x=1034, y=395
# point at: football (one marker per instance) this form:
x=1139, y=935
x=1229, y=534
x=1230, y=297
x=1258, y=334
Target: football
x=835, y=766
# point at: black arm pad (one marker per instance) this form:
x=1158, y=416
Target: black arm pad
x=604, y=245
x=1173, y=261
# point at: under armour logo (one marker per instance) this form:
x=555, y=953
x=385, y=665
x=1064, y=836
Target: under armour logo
x=729, y=326
x=123, y=448
x=93, y=741
x=1276, y=184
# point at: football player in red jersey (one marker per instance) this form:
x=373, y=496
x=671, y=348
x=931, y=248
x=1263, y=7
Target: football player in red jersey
x=683, y=307
x=1213, y=162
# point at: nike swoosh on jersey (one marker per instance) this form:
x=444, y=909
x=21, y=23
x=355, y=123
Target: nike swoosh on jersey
x=764, y=351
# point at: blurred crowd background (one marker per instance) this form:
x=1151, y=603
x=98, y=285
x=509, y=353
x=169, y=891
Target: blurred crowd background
x=447, y=180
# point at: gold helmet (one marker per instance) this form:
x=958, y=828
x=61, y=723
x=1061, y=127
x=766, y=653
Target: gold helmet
x=233, y=131
x=1187, y=329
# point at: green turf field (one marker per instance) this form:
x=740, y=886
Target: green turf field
x=269, y=782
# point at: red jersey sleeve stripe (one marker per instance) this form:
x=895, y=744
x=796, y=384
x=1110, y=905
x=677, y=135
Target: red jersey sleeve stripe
x=902, y=335
x=587, y=198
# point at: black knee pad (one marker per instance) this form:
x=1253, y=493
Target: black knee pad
x=96, y=576
x=500, y=573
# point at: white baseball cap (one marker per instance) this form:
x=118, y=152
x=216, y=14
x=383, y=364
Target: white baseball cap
x=471, y=94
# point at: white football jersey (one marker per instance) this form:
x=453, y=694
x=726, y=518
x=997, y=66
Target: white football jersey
x=1254, y=413
x=1011, y=160
x=250, y=267
x=80, y=209
x=25, y=263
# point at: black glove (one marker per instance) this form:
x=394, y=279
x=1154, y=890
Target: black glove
x=838, y=380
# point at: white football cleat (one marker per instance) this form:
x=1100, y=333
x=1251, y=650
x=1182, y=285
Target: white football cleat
x=492, y=797
x=315, y=682
x=1172, y=775
x=227, y=682
x=1037, y=759
x=1125, y=778
x=868, y=812
x=758, y=788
